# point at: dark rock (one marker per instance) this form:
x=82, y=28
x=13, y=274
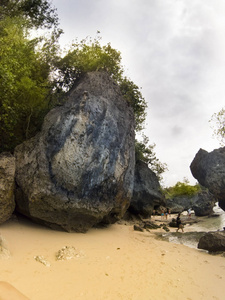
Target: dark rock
x=173, y=223
x=209, y=169
x=147, y=193
x=150, y=225
x=79, y=170
x=7, y=180
x=213, y=241
x=178, y=204
x=165, y=228
x=138, y=228
x=202, y=203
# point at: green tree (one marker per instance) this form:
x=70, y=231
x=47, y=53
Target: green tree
x=218, y=125
x=38, y=13
x=182, y=189
x=33, y=75
x=133, y=95
x=145, y=152
x=23, y=84
x=25, y=66
x=88, y=55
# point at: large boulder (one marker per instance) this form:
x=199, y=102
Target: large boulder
x=202, y=203
x=209, y=169
x=79, y=170
x=147, y=194
x=213, y=241
x=178, y=204
x=7, y=180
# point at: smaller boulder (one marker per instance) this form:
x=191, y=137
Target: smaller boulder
x=173, y=223
x=138, y=228
x=147, y=193
x=7, y=174
x=4, y=252
x=150, y=225
x=178, y=204
x=164, y=227
x=209, y=169
x=203, y=204
x=213, y=241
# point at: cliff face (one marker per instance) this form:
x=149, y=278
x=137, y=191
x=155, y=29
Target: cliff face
x=79, y=170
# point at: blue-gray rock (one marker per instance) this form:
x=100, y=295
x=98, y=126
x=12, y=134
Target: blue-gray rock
x=79, y=170
x=7, y=183
x=202, y=203
x=147, y=194
x=213, y=241
x=209, y=169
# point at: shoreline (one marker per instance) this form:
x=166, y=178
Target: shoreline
x=112, y=263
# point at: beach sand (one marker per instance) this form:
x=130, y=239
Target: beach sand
x=110, y=263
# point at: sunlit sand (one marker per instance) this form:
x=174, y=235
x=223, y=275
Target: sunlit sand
x=110, y=263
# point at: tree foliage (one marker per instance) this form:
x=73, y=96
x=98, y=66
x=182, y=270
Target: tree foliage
x=24, y=74
x=145, y=152
x=38, y=13
x=218, y=124
x=33, y=75
x=182, y=189
x=88, y=55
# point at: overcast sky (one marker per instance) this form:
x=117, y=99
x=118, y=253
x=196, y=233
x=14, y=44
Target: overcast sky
x=175, y=51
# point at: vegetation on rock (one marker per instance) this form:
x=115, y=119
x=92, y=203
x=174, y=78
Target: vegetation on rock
x=25, y=66
x=182, y=189
x=88, y=55
x=34, y=77
x=145, y=152
x=218, y=119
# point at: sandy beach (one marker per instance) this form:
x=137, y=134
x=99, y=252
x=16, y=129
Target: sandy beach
x=109, y=263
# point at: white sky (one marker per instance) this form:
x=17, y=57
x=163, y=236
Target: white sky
x=175, y=51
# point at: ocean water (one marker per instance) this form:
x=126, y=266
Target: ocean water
x=192, y=233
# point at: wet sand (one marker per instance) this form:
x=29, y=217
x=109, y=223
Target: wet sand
x=110, y=264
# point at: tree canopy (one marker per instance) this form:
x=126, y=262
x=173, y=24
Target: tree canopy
x=218, y=124
x=145, y=152
x=182, y=189
x=24, y=70
x=38, y=13
x=88, y=55
x=33, y=76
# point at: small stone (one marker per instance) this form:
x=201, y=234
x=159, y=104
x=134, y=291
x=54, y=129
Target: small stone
x=68, y=252
x=42, y=260
x=138, y=228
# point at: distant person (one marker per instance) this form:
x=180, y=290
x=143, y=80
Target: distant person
x=167, y=212
x=162, y=214
x=179, y=224
x=189, y=213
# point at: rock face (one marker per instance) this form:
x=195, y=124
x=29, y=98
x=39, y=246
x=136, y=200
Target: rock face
x=213, y=241
x=202, y=203
x=209, y=169
x=147, y=194
x=7, y=179
x=178, y=204
x=79, y=170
